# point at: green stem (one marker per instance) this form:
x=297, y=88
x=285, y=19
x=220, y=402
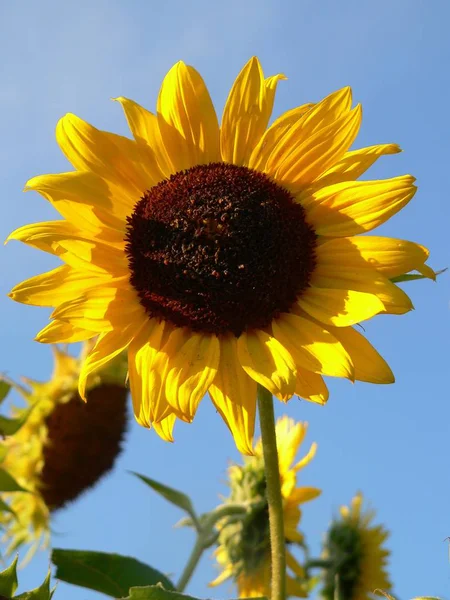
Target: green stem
x=318, y=563
x=276, y=521
x=189, y=569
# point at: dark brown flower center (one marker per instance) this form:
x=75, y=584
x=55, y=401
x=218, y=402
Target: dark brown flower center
x=219, y=248
x=84, y=439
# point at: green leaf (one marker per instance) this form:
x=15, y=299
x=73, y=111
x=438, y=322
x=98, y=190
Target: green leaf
x=156, y=592
x=43, y=592
x=3, y=452
x=173, y=496
x=413, y=276
x=4, y=389
x=4, y=507
x=111, y=574
x=11, y=426
x=8, y=483
x=8, y=579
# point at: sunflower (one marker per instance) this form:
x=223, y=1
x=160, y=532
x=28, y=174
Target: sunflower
x=222, y=256
x=63, y=445
x=243, y=550
x=355, y=548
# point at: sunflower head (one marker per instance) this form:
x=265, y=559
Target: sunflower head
x=243, y=550
x=63, y=445
x=222, y=255
x=354, y=547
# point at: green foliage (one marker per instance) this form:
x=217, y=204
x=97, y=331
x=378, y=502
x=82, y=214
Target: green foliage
x=174, y=496
x=11, y=426
x=156, y=592
x=8, y=579
x=8, y=586
x=110, y=574
x=413, y=276
x=4, y=389
x=8, y=483
x=43, y=592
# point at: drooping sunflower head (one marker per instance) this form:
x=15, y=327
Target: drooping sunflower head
x=243, y=551
x=355, y=548
x=62, y=446
x=222, y=256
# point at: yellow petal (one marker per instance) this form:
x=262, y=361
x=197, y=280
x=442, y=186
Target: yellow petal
x=187, y=119
x=349, y=208
x=62, y=239
x=108, y=155
x=59, y=332
x=325, y=113
x=145, y=129
x=341, y=266
x=305, y=160
x=92, y=255
x=233, y=394
x=312, y=346
x=56, y=286
x=340, y=307
x=247, y=112
x=290, y=435
x=307, y=458
x=273, y=135
x=193, y=363
x=102, y=309
x=147, y=368
x=222, y=577
x=353, y=164
x=369, y=365
x=45, y=235
x=389, y=256
x=311, y=387
x=267, y=362
x=108, y=346
x=165, y=428
x=305, y=494
x=427, y=271
x=292, y=564
x=86, y=200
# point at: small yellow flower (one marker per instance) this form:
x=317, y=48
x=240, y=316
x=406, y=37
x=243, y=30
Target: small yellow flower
x=355, y=548
x=222, y=256
x=243, y=552
x=64, y=446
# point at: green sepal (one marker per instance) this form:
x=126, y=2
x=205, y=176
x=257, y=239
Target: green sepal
x=110, y=574
x=174, y=496
x=5, y=507
x=43, y=592
x=157, y=592
x=11, y=426
x=8, y=483
x=4, y=389
x=8, y=579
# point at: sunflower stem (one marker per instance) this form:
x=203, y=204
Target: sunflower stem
x=191, y=564
x=274, y=498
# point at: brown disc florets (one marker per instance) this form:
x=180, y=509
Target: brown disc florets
x=83, y=441
x=219, y=248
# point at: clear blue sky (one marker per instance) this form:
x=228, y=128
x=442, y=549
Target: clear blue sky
x=390, y=442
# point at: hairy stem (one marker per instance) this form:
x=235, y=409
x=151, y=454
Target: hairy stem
x=277, y=539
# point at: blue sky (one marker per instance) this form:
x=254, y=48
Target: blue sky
x=390, y=442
